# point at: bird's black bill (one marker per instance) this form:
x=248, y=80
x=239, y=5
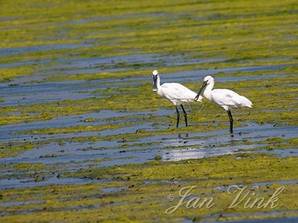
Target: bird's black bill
x=201, y=90
x=154, y=82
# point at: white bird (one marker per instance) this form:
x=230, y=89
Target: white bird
x=225, y=98
x=175, y=93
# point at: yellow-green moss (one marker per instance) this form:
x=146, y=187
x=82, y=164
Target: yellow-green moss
x=12, y=149
x=6, y=74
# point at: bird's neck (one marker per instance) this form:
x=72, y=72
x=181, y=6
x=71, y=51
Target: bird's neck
x=208, y=90
x=158, y=82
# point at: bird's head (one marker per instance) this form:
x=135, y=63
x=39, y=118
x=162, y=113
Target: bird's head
x=155, y=79
x=206, y=81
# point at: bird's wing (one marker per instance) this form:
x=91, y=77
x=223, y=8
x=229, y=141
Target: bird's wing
x=175, y=91
x=225, y=97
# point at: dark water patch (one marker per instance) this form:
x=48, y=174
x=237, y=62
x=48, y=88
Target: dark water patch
x=192, y=76
x=8, y=18
x=43, y=97
x=43, y=92
x=21, y=50
x=216, y=143
x=127, y=130
x=170, y=147
x=192, y=153
x=278, y=219
x=283, y=153
x=251, y=132
x=15, y=132
x=63, y=153
x=268, y=183
x=137, y=158
x=20, y=203
x=113, y=189
x=80, y=155
x=93, y=64
x=194, y=146
x=25, y=94
x=121, y=63
x=72, y=156
x=65, y=121
x=25, y=183
x=25, y=63
x=11, y=132
x=198, y=75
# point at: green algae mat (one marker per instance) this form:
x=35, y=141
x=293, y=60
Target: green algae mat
x=83, y=138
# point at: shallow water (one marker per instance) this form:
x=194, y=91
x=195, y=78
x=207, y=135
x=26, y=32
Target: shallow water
x=34, y=93
x=77, y=155
x=23, y=50
x=30, y=182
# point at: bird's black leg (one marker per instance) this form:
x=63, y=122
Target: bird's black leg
x=231, y=121
x=185, y=115
x=178, y=116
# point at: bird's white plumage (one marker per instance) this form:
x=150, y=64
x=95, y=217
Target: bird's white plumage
x=176, y=93
x=225, y=98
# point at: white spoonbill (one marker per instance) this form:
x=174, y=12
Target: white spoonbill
x=175, y=93
x=225, y=98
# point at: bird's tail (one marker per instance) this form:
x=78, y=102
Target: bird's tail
x=246, y=102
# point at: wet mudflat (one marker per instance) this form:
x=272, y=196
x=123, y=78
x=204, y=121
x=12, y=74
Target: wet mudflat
x=83, y=137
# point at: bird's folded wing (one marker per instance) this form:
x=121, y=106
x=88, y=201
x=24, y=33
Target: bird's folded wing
x=229, y=98
x=175, y=91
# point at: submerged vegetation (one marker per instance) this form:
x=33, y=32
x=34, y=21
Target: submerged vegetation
x=83, y=138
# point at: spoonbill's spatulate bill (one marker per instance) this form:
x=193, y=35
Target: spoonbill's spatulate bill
x=225, y=98
x=175, y=93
